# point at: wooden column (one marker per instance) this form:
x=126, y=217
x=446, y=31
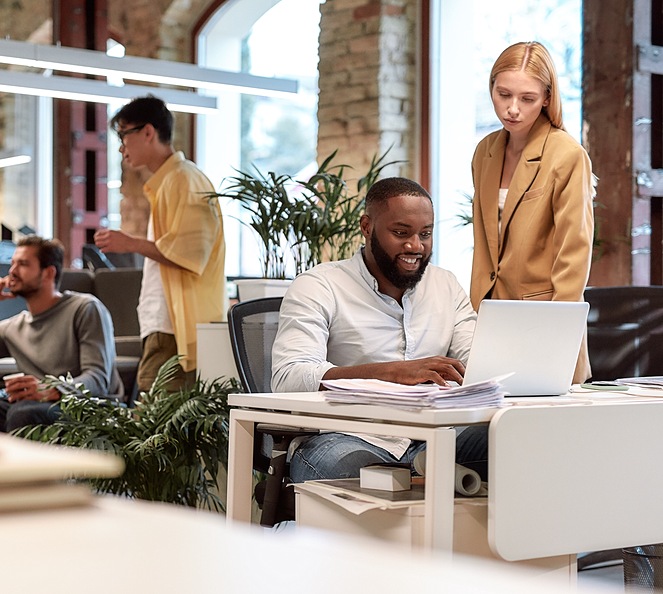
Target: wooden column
x=81, y=164
x=608, y=113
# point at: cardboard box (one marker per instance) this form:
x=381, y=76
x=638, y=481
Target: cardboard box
x=384, y=478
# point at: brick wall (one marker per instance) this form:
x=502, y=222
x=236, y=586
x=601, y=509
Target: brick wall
x=367, y=81
x=19, y=20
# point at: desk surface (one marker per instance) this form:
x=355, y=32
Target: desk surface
x=314, y=403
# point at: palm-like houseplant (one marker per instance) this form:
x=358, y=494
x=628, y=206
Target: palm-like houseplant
x=299, y=223
x=172, y=443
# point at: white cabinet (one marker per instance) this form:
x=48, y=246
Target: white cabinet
x=215, y=357
x=321, y=506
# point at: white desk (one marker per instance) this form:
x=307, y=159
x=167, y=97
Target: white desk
x=565, y=475
x=432, y=426
x=565, y=479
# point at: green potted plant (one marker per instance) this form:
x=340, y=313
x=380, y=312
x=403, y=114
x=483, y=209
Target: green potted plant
x=173, y=443
x=300, y=223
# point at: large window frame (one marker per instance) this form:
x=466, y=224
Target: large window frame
x=219, y=44
x=450, y=99
x=27, y=188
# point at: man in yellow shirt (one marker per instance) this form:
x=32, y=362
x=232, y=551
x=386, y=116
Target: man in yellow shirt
x=183, y=273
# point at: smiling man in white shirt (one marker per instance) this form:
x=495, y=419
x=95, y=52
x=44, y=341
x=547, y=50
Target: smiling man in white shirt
x=384, y=314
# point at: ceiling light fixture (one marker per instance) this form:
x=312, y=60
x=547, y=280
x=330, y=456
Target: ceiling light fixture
x=15, y=160
x=98, y=63
x=98, y=91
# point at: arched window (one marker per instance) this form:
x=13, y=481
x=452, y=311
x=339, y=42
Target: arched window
x=265, y=38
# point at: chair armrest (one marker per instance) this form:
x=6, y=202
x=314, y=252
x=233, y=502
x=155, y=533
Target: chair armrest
x=128, y=346
x=282, y=437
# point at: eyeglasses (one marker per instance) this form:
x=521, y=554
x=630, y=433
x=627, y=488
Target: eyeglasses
x=122, y=133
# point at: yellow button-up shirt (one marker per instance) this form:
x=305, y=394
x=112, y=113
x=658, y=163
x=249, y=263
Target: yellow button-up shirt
x=188, y=231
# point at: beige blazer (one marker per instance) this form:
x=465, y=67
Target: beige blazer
x=543, y=250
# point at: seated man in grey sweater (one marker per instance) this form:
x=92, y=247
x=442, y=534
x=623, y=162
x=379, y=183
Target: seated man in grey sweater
x=59, y=333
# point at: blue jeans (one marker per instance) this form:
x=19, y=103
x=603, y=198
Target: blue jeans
x=27, y=412
x=336, y=455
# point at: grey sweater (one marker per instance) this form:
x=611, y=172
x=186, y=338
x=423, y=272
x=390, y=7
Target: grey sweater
x=74, y=336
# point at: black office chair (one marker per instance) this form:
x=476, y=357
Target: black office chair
x=119, y=289
x=252, y=326
x=625, y=339
x=625, y=331
x=94, y=258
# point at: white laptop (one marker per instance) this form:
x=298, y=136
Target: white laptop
x=537, y=341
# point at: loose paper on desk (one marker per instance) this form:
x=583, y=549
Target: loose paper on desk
x=371, y=391
x=650, y=386
x=650, y=381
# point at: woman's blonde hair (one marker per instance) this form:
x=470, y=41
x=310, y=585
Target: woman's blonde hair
x=533, y=58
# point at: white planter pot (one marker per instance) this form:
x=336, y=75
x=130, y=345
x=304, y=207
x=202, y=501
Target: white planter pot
x=256, y=288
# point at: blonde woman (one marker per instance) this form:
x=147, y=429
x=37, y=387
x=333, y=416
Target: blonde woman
x=533, y=190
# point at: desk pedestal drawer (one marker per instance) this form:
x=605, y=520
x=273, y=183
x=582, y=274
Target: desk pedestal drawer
x=405, y=526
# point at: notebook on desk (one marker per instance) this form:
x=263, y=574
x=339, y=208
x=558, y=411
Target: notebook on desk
x=537, y=341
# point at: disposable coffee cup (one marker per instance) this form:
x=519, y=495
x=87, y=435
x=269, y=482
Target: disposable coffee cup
x=12, y=376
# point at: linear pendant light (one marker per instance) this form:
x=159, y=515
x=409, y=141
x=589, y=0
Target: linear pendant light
x=98, y=91
x=15, y=160
x=98, y=63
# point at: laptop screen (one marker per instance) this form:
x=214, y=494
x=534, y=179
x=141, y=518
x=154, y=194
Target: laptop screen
x=537, y=341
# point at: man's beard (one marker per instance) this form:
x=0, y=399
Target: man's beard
x=389, y=267
x=27, y=290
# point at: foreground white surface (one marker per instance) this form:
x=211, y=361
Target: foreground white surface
x=117, y=545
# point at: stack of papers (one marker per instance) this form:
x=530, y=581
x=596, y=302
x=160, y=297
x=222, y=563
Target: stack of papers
x=371, y=391
x=652, y=381
x=348, y=494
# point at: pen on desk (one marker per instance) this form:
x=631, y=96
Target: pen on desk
x=346, y=496
x=604, y=385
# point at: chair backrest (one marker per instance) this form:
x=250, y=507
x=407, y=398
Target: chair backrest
x=94, y=258
x=625, y=331
x=81, y=281
x=252, y=327
x=118, y=289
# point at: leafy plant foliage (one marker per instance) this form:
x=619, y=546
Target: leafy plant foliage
x=172, y=443
x=303, y=221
